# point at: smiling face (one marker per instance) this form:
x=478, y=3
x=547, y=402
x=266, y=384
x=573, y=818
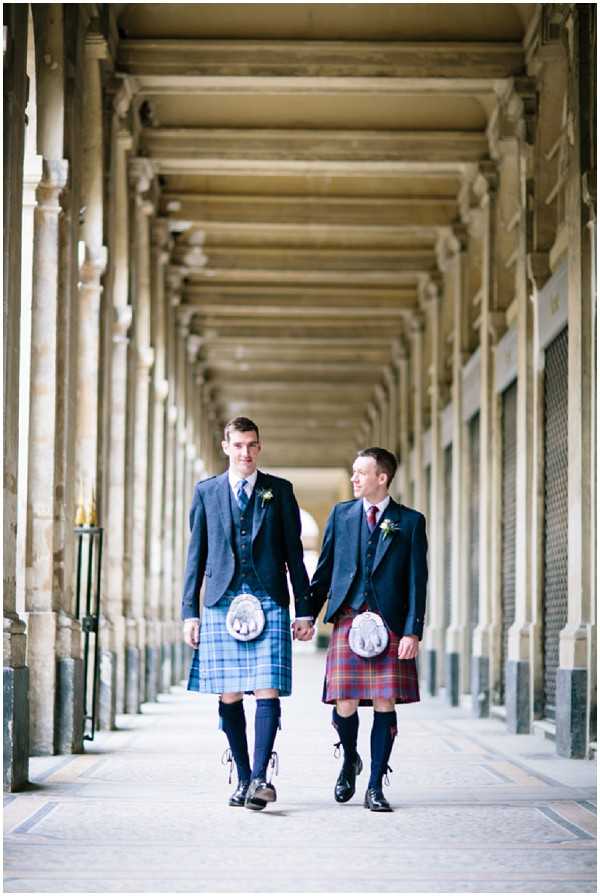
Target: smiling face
x=242, y=449
x=367, y=481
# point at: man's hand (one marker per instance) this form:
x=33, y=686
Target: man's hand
x=302, y=629
x=191, y=632
x=408, y=647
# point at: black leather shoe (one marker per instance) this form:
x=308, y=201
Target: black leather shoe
x=259, y=794
x=238, y=797
x=375, y=800
x=345, y=785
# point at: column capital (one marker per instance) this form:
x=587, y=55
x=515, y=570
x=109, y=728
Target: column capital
x=184, y=318
x=514, y=117
x=123, y=89
x=96, y=45
x=145, y=357
x=160, y=234
x=193, y=345
x=485, y=185
x=93, y=264
x=388, y=375
x=416, y=323
x=141, y=173
x=121, y=323
x=458, y=238
x=55, y=173
x=399, y=352
x=161, y=390
x=124, y=138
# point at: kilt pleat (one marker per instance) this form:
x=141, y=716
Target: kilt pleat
x=351, y=677
x=223, y=665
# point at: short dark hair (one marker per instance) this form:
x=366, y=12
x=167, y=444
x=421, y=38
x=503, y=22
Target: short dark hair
x=240, y=424
x=385, y=460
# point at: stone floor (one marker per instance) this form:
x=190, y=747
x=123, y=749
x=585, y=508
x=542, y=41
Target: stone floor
x=144, y=810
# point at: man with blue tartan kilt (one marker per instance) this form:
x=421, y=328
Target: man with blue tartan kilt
x=245, y=532
x=373, y=559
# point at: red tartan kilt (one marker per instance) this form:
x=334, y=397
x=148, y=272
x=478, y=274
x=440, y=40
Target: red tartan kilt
x=351, y=677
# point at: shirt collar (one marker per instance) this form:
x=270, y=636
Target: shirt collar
x=234, y=478
x=381, y=506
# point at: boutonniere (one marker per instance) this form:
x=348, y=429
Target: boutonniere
x=388, y=527
x=266, y=495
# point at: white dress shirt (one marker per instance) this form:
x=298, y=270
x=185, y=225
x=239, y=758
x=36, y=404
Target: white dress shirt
x=234, y=478
x=381, y=506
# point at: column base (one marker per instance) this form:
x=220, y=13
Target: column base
x=69, y=705
x=453, y=678
x=166, y=667
x=480, y=686
x=152, y=674
x=107, y=696
x=571, y=713
x=517, y=699
x=132, y=680
x=431, y=672
x=16, y=727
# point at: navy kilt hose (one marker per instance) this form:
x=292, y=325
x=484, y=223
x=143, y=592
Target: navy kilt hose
x=351, y=677
x=221, y=664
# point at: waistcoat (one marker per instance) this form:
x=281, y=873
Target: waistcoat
x=362, y=590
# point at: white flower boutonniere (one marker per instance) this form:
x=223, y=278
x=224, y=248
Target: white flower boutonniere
x=266, y=495
x=388, y=527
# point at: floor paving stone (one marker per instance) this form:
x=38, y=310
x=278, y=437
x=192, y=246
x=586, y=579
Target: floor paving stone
x=144, y=810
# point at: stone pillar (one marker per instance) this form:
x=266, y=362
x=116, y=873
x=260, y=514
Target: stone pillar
x=158, y=647
x=575, y=687
x=401, y=362
x=16, y=682
x=382, y=407
x=172, y=598
x=140, y=174
x=458, y=672
x=435, y=634
x=116, y=573
x=487, y=631
x=42, y=599
x=525, y=632
x=390, y=379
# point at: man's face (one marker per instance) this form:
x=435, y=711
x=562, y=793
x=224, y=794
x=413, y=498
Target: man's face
x=366, y=481
x=242, y=449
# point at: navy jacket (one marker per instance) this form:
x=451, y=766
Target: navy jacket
x=399, y=572
x=275, y=544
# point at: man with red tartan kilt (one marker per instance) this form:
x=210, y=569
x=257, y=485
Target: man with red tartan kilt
x=373, y=559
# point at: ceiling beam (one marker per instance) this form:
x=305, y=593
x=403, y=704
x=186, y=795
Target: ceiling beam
x=385, y=59
x=364, y=237
x=340, y=277
x=210, y=327
x=262, y=149
x=199, y=292
x=267, y=258
x=296, y=211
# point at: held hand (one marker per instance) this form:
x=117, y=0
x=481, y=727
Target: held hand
x=408, y=647
x=302, y=630
x=191, y=632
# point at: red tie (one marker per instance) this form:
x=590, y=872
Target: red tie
x=372, y=517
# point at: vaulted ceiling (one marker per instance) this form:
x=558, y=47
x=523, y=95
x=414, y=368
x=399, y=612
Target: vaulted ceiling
x=310, y=158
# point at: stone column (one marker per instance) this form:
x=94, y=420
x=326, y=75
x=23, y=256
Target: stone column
x=458, y=672
x=391, y=382
x=171, y=604
x=180, y=508
x=435, y=633
x=42, y=598
x=140, y=175
x=401, y=362
x=116, y=573
x=382, y=402
x=486, y=633
x=373, y=419
x=417, y=331
x=158, y=650
x=16, y=681
x=575, y=680
x=525, y=632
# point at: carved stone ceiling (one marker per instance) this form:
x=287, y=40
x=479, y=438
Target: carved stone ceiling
x=311, y=157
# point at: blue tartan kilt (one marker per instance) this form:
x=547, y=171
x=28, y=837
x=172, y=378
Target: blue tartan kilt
x=223, y=665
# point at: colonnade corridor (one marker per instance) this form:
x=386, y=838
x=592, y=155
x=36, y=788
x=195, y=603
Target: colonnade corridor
x=144, y=810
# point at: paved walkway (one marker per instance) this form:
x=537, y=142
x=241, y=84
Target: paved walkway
x=477, y=810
